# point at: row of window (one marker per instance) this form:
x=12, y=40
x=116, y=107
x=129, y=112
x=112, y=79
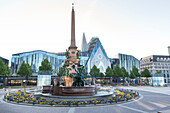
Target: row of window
x=158, y=59
x=162, y=59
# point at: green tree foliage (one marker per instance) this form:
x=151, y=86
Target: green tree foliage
x=4, y=69
x=45, y=65
x=127, y=74
x=132, y=75
x=117, y=71
x=135, y=71
x=109, y=72
x=146, y=73
x=94, y=71
x=158, y=72
x=24, y=70
x=101, y=74
x=124, y=73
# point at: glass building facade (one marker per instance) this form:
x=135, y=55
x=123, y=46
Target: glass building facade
x=128, y=61
x=34, y=58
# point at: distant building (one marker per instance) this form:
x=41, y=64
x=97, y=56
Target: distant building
x=169, y=50
x=114, y=61
x=97, y=55
x=156, y=63
x=126, y=61
x=6, y=61
x=84, y=45
x=34, y=58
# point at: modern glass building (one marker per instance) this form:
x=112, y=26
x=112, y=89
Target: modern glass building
x=34, y=58
x=6, y=61
x=126, y=61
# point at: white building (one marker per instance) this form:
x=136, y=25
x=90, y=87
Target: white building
x=156, y=63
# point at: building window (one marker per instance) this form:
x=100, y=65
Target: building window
x=164, y=76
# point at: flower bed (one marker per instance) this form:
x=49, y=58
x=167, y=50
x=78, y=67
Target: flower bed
x=22, y=97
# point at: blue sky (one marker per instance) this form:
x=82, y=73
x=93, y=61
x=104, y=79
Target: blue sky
x=135, y=27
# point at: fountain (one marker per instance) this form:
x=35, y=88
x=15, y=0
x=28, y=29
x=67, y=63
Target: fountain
x=73, y=76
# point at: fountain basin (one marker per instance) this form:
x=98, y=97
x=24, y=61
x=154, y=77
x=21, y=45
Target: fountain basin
x=70, y=91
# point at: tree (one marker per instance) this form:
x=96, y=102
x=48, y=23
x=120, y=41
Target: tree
x=117, y=72
x=24, y=70
x=132, y=76
x=135, y=73
x=4, y=69
x=146, y=73
x=109, y=72
x=94, y=71
x=158, y=72
x=124, y=73
x=127, y=74
x=45, y=65
x=101, y=74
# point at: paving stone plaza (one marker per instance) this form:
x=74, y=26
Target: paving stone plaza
x=149, y=102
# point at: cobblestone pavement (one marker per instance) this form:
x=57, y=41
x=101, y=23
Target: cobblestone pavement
x=153, y=99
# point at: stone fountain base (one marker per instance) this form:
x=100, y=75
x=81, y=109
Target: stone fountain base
x=70, y=91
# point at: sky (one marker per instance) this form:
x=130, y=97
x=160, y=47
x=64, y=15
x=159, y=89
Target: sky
x=135, y=27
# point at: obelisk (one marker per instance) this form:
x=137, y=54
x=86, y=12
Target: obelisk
x=72, y=62
x=73, y=41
